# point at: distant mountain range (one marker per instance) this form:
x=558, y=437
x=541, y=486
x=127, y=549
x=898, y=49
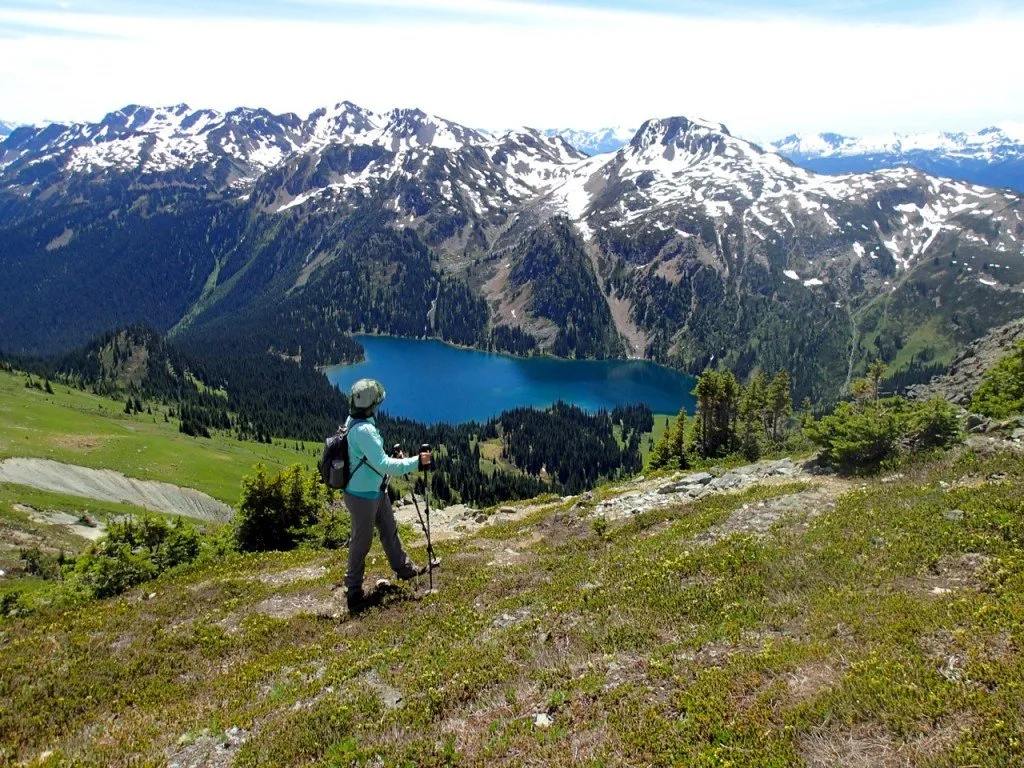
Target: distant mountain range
x=6, y=127
x=992, y=156
x=687, y=245
x=595, y=142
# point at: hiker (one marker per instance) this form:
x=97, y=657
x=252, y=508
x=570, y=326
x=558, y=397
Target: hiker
x=366, y=496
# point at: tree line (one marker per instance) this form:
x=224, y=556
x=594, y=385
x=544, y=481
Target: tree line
x=730, y=419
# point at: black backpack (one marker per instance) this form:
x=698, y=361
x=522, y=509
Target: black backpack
x=335, y=462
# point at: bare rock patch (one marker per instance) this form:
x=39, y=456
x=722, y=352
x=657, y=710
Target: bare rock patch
x=207, y=750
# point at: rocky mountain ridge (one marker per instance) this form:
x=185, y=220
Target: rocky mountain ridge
x=969, y=367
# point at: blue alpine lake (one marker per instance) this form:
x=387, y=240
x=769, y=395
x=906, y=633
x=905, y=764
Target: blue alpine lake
x=432, y=382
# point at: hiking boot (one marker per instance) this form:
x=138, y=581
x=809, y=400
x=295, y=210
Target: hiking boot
x=356, y=601
x=412, y=571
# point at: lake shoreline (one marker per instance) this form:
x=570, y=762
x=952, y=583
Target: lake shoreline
x=468, y=348
x=434, y=381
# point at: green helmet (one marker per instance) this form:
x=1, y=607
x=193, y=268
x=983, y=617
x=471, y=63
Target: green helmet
x=366, y=394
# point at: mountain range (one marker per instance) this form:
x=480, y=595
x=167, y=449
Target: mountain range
x=6, y=127
x=993, y=156
x=687, y=245
x=594, y=142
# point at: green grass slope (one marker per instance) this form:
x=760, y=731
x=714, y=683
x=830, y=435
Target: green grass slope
x=93, y=431
x=873, y=624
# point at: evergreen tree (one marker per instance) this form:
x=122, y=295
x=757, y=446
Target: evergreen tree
x=718, y=405
x=752, y=418
x=780, y=404
x=679, y=441
x=670, y=451
x=661, y=456
x=806, y=412
x=1001, y=393
x=875, y=373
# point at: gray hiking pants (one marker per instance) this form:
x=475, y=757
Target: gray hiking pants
x=367, y=513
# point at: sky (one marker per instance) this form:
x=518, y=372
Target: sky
x=765, y=68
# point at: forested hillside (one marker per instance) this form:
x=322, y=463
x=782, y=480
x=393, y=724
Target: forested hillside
x=554, y=262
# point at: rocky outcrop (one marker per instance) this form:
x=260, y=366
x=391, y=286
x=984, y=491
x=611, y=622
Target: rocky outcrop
x=690, y=487
x=639, y=495
x=968, y=368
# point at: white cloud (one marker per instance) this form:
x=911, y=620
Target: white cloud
x=495, y=63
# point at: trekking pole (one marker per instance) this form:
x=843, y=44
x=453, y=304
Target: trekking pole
x=424, y=526
x=426, y=509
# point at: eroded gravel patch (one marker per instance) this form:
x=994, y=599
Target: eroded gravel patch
x=293, y=575
x=108, y=485
x=319, y=603
x=694, y=486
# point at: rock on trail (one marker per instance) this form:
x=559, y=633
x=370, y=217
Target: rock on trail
x=108, y=485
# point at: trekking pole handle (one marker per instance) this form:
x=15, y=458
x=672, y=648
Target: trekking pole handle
x=425, y=456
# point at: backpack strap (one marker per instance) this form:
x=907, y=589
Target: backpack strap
x=362, y=462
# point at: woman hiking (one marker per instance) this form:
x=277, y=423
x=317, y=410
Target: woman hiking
x=366, y=496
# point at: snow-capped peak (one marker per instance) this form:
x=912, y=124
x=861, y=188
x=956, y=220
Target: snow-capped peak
x=409, y=128
x=696, y=136
x=532, y=157
x=343, y=120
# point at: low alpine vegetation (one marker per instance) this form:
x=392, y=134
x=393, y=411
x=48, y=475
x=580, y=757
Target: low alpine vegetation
x=870, y=429
x=879, y=624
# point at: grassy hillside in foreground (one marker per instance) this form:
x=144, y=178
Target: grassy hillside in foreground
x=81, y=428
x=876, y=624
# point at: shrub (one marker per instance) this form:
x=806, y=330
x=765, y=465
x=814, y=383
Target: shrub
x=37, y=563
x=275, y=513
x=856, y=436
x=866, y=433
x=331, y=531
x=933, y=424
x=113, y=570
x=1001, y=393
x=136, y=549
x=11, y=604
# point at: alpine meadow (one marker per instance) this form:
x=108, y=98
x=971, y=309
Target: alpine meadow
x=359, y=436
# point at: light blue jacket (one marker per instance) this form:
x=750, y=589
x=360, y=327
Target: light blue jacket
x=365, y=441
